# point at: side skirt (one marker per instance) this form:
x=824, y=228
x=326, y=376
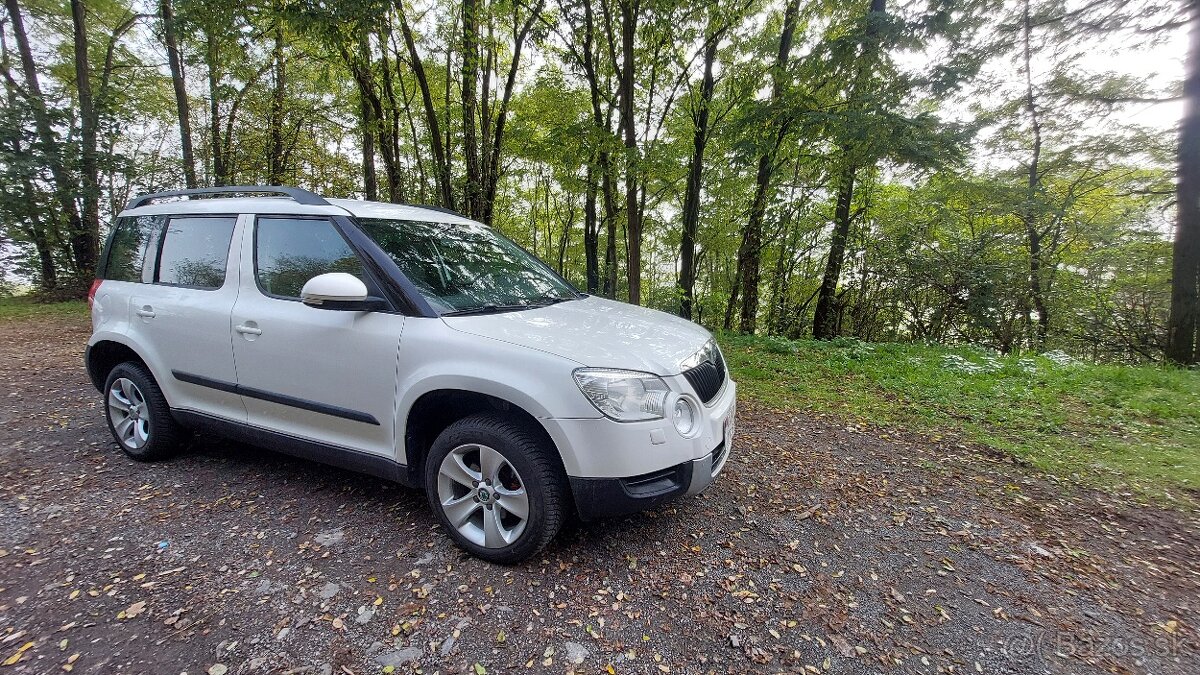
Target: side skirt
x=345, y=458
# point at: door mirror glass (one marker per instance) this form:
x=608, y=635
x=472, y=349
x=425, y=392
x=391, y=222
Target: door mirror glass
x=334, y=290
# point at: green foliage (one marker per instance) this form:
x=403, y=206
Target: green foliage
x=14, y=308
x=928, y=102
x=1121, y=427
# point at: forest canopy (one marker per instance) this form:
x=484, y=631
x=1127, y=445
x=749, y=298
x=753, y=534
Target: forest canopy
x=1007, y=173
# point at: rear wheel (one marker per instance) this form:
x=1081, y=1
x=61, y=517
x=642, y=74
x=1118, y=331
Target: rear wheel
x=496, y=487
x=138, y=415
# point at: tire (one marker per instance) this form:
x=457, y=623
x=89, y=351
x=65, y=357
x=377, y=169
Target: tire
x=154, y=434
x=526, y=462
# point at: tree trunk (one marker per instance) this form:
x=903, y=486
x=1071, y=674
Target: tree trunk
x=64, y=189
x=750, y=250
x=691, y=198
x=83, y=239
x=492, y=150
x=610, y=219
x=727, y=324
x=633, y=220
x=440, y=160
x=370, y=109
x=1182, y=345
x=473, y=190
x=422, y=176
x=389, y=123
x=825, y=317
x=212, y=55
x=367, y=126
x=591, y=232
x=275, y=114
x=1037, y=284
x=48, y=277
x=182, y=106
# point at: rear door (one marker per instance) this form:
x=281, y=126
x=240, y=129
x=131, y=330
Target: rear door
x=180, y=314
x=319, y=374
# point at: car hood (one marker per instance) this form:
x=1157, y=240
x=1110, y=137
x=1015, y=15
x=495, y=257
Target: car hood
x=595, y=332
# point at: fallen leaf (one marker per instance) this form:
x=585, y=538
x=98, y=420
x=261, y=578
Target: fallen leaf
x=19, y=653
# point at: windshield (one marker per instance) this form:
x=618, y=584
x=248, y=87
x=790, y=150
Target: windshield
x=467, y=268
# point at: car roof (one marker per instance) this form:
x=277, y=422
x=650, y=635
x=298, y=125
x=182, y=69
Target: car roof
x=287, y=206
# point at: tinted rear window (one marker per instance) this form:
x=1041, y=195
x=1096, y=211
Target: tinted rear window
x=127, y=254
x=194, y=252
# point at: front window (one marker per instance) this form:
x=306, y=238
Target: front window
x=467, y=268
x=290, y=251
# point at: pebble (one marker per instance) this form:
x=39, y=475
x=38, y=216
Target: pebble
x=365, y=614
x=399, y=658
x=575, y=652
x=330, y=537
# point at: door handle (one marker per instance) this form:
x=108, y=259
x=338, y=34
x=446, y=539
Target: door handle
x=247, y=330
x=146, y=312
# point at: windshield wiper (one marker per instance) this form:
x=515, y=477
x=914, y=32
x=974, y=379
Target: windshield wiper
x=549, y=300
x=488, y=309
x=491, y=308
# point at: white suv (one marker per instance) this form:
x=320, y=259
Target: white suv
x=407, y=342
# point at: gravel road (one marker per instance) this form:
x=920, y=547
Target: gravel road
x=822, y=548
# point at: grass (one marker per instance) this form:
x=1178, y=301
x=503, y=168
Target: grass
x=22, y=307
x=1120, y=427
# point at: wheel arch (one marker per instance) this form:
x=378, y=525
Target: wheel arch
x=432, y=411
x=107, y=353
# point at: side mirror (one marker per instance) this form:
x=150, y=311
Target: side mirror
x=338, y=290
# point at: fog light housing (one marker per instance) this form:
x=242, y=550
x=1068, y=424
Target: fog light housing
x=684, y=416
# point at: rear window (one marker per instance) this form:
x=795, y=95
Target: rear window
x=195, y=251
x=132, y=238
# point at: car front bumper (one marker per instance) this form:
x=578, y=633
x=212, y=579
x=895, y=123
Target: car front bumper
x=609, y=497
x=620, y=468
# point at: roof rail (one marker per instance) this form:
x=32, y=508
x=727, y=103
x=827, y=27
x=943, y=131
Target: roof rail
x=298, y=195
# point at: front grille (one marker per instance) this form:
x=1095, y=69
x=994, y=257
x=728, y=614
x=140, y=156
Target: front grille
x=707, y=378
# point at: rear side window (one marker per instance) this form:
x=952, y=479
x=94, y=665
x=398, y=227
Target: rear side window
x=194, y=252
x=133, y=240
x=290, y=251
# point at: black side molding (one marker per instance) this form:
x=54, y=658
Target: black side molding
x=282, y=399
x=346, y=458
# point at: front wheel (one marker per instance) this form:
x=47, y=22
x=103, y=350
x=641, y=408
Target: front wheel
x=497, y=488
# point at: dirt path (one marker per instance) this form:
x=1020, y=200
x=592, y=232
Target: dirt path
x=822, y=548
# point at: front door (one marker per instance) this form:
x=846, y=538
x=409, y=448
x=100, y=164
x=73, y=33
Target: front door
x=320, y=374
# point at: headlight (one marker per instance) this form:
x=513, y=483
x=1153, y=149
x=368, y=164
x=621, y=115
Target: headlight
x=709, y=352
x=624, y=395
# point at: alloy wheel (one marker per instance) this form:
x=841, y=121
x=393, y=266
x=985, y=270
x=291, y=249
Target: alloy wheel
x=129, y=413
x=483, y=496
